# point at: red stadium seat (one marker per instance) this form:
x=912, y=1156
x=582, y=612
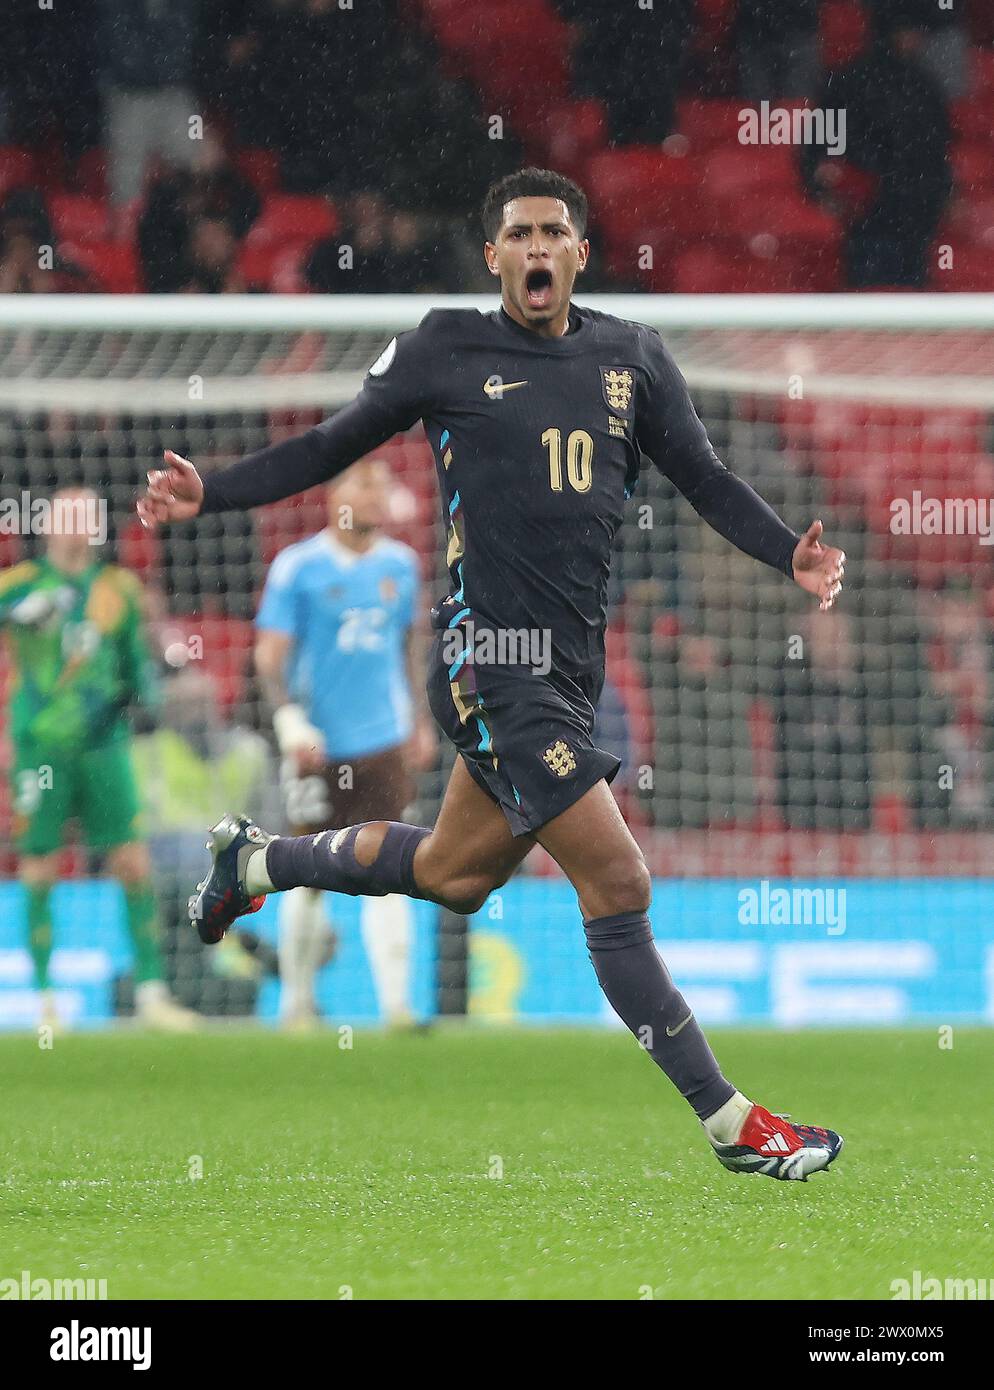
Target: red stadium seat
x=574, y=130
x=283, y=523
x=18, y=169
x=113, y=264
x=640, y=191
x=972, y=271
x=76, y=217
x=226, y=644
x=899, y=475
x=742, y=169
x=431, y=9
x=139, y=550
x=707, y=124
x=89, y=178
x=713, y=21
x=794, y=222
x=982, y=61
x=515, y=52
x=973, y=167
x=286, y=274
x=531, y=25
x=261, y=168
x=256, y=263
x=524, y=82
x=843, y=30
x=279, y=269
x=975, y=220
x=287, y=218
x=713, y=270
x=127, y=217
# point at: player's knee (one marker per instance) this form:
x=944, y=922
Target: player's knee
x=129, y=864
x=468, y=894
x=459, y=890
x=447, y=879
x=38, y=871
x=625, y=886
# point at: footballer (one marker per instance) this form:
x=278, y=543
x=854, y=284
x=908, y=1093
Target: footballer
x=334, y=644
x=75, y=631
x=539, y=415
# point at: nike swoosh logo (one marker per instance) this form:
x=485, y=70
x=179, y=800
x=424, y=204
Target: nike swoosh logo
x=672, y=1032
x=496, y=389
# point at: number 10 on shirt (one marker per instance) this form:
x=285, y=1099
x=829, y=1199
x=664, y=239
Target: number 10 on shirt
x=579, y=454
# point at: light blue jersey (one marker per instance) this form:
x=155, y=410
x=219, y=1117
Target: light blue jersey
x=349, y=615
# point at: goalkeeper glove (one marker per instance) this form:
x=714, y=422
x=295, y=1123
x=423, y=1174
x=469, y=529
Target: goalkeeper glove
x=36, y=609
x=295, y=734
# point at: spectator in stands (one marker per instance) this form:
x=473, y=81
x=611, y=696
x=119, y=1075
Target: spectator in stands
x=292, y=77
x=415, y=257
x=630, y=58
x=357, y=260
x=898, y=134
x=212, y=259
x=379, y=250
x=29, y=260
x=248, y=65
x=945, y=46
x=777, y=42
x=146, y=54
x=47, y=80
x=193, y=762
x=193, y=223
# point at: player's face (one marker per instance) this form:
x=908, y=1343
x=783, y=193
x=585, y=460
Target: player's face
x=537, y=255
x=70, y=546
x=361, y=497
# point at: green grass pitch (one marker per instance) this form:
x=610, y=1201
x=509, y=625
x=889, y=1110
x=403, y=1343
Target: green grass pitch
x=484, y=1164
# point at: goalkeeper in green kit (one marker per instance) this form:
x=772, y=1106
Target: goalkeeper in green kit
x=76, y=637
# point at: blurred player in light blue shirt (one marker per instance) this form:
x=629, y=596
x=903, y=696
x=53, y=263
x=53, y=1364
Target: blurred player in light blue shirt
x=334, y=653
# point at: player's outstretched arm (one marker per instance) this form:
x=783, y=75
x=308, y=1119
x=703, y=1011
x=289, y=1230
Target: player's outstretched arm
x=394, y=395
x=671, y=432
x=178, y=493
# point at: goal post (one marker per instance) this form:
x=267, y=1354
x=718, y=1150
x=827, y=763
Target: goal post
x=763, y=743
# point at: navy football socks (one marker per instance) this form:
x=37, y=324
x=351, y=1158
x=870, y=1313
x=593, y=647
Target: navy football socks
x=328, y=861
x=641, y=991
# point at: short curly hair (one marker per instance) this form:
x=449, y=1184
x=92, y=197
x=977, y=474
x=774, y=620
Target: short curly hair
x=532, y=183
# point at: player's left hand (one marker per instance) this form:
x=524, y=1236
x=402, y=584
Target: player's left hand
x=819, y=568
x=174, y=493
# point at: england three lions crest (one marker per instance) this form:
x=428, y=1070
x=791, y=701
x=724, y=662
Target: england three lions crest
x=559, y=759
x=618, y=383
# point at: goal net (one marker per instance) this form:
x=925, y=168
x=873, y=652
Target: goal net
x=814, y=792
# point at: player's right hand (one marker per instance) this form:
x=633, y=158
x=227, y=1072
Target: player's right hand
x=42, y=604
x=174, y=493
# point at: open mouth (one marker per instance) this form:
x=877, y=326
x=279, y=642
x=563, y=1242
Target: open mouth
x=538, y=288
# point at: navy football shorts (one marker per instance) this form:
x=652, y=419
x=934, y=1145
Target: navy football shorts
x=524, y=736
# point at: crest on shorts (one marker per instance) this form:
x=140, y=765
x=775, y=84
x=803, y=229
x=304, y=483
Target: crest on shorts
x=559, y=759
x=618, y=384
